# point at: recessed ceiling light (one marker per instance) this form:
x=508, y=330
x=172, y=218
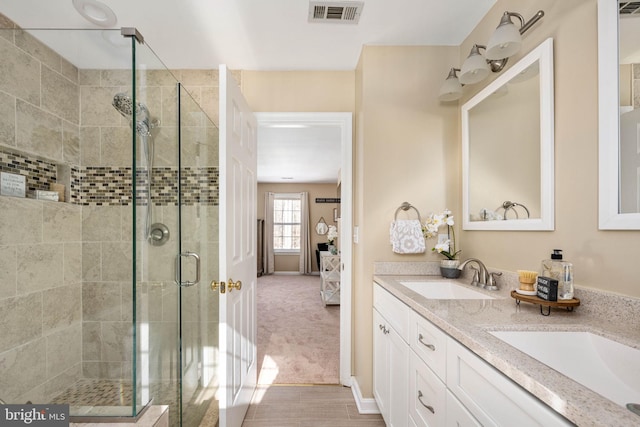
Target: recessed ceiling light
x=96, y=12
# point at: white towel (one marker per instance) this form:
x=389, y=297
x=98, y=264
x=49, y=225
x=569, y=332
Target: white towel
x=406, y=236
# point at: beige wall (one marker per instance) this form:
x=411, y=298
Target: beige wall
x=405, y=145
x=602, y=259
x=316, y=210
x=299, y=91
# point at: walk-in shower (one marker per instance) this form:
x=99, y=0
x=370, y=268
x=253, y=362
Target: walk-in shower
x=91, y=312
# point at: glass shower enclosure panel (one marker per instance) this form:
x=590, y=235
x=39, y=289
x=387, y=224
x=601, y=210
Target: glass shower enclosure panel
x=199, y=255
x=156, y=225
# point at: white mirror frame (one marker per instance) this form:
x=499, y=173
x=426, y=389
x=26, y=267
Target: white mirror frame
x=609, y=216
x=544, y=54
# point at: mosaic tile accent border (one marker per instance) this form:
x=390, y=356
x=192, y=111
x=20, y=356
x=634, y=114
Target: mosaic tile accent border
x=38, y=173
x=111, y=186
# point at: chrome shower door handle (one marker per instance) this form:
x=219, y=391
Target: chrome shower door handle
x=178, y=268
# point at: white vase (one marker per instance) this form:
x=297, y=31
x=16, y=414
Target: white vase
x=449, y=268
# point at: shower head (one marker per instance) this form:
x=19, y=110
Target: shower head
x=124, y=104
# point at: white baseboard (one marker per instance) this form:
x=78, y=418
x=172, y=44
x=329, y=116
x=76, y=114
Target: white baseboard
x=365, y=406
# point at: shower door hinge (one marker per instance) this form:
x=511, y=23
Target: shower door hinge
x=132, y=32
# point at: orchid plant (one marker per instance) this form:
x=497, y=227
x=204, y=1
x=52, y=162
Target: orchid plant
x=332, y=234
x=431, y=227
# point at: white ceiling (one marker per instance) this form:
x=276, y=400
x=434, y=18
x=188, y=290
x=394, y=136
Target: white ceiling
x=268, y=35
x=309, y=154
x=265, y=34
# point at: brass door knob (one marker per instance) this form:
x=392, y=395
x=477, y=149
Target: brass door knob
x=237, y=285
x=215, y=285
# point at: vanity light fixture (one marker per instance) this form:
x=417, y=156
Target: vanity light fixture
x=452, y=88
x=505, y=41
x=475, y=68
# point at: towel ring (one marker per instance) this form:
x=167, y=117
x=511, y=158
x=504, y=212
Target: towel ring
x=509, y=205
x=405, y=206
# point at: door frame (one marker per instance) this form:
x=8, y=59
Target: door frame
x=344, y=121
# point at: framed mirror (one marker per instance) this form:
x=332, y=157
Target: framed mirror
x=619, y=116
x=321, y=227
x=508, y=148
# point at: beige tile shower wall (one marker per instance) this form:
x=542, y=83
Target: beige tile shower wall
x=40, y=298
x=40, y=241
x=107, y=311
x=38, y=97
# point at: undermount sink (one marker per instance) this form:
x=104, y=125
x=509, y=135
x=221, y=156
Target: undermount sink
x=444, y=290
x=600, y=364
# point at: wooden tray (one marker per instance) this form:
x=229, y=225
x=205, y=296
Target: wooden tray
x=569, y=304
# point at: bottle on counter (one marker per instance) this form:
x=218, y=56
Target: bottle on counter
x=562, y=271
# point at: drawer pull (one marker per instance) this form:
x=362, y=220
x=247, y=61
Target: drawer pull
x=429, y=346
x=383, y=329
x=430, y=408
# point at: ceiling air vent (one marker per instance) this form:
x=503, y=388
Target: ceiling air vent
x=344, y=12
x=629, y=8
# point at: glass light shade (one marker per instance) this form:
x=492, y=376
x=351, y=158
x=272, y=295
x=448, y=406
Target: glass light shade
x=474, y=69
x=504, y=42
x=451, y=89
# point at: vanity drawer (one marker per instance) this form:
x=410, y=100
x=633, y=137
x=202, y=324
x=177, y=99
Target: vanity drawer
x=429, y=343
x=393, y=310
x=427, y=395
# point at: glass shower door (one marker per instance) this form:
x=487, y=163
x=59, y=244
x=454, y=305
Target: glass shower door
x=198, y=213
x=177, y=314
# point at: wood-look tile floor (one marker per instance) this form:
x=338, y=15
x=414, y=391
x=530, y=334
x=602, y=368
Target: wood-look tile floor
x=307, y=406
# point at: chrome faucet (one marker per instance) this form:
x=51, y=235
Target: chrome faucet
x=481, y=278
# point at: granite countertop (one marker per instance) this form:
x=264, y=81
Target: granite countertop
x=469, y=322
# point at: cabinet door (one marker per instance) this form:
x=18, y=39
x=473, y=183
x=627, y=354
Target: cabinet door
x=427, y=394
x=398, y=379
x=380, y=365
x=492, y=398
x=457, y=415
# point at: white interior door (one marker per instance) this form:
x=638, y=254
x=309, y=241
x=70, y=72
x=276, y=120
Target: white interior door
x=238, y=187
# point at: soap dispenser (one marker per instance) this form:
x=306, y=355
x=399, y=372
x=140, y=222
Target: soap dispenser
x=562, y=271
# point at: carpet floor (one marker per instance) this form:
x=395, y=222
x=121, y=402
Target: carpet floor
x=298, y=336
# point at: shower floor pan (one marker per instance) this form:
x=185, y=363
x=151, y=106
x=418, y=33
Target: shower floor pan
x=99, y=397
x=89, y=398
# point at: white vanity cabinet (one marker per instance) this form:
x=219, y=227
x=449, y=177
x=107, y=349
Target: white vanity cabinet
x=421, y=371
x=492, y=398
x=390, y=357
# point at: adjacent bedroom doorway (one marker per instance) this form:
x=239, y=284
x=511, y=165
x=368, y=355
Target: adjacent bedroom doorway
x=339, y=313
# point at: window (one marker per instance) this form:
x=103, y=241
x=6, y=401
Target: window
x=286, y=223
